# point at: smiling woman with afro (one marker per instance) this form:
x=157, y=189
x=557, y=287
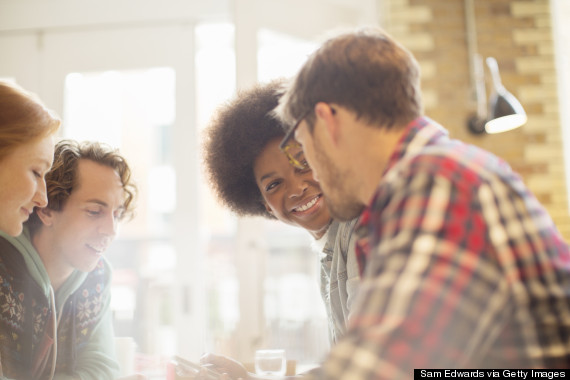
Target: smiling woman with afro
x=251, y=176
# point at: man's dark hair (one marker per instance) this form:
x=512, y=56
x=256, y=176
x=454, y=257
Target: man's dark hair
x=365, y=71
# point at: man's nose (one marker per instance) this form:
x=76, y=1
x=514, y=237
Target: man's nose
x=108, y=225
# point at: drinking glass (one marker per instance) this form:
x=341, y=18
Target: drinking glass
x=270, y=362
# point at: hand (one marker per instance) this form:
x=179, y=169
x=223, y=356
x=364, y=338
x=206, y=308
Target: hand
x=225, y=365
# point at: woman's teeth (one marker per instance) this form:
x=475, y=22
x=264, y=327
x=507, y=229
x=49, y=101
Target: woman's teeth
x=307, y=205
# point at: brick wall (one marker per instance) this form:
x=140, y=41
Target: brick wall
x=518, y=33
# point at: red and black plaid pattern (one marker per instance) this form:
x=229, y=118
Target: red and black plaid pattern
x=462, y=268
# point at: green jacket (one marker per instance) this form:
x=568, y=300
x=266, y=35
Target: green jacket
x=30, y=312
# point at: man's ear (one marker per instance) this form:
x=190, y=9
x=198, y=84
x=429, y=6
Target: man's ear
x=326, y=114
x=46, y=215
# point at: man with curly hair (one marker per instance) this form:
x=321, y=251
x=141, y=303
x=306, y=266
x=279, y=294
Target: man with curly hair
x=55, y=321
x=251, y=176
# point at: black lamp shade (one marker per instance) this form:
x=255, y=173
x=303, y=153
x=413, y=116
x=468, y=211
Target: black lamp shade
x=505, y=112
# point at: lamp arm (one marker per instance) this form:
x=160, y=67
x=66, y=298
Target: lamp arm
x=479, y=84
x=495, y=76
x=476, y=69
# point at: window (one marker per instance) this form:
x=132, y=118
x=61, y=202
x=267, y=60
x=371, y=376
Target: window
x=262, y=276
x=134, y=111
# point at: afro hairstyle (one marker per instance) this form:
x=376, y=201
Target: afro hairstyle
x=238, y=132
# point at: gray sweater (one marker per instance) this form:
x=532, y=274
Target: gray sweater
x=339, y=275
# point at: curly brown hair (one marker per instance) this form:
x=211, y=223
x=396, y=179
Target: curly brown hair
x=62, y=177
x=236, y=135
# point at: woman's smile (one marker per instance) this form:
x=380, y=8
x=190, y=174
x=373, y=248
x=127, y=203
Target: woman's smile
x=307, y=206
x=290, y=195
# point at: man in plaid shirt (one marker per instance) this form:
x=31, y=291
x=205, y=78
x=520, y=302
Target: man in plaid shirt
x=461, y=266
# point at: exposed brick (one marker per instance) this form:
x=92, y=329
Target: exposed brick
x=412, y=14
x=541, y=123
x=554, y=138
x=535, y=35
x=541, y=153
x=532, y=8
x=399, y=29
x=525, y=169
x=431, y=99
x=551, y=108
x=549, y=79
x=545, y=182
x=545, y=50
x=537, y=93
x=518, y=34
x=544, y=198
x=557, y=169
x=535, y=138
x=543, y=21
x=428, y=69
x=418, y=42
x=400, y=3
x=500, y=9
x=534, y=65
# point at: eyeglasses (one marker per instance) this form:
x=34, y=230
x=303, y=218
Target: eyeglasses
x=292, y=149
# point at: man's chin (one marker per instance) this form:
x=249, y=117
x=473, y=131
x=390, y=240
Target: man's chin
x=345, y=212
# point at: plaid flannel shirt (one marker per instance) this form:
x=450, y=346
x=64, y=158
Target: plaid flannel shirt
x=463, y=268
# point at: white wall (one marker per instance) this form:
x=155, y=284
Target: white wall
x=561, y=28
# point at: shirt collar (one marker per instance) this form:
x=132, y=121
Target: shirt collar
x=417, y=134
